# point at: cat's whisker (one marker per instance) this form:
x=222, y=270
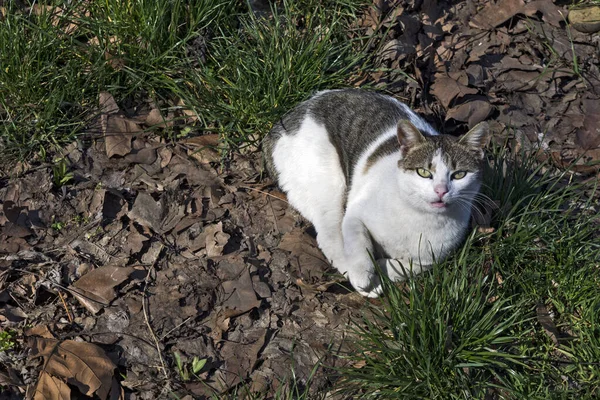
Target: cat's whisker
x=467, y=206
x=479, y=198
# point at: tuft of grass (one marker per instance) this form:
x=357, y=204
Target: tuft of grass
x=237, y=71
x=66, y=54
x=472, y=327
x=272, y=63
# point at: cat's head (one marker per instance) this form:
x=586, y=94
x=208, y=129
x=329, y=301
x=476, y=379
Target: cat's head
x=441, y=173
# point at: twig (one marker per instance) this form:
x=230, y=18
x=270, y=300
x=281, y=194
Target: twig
x=274, y=217
x=263, y=192
x=145, y=308
x=65, y=304
x=168, y=333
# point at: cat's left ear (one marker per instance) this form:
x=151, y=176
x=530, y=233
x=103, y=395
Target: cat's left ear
x=476, y=138
x=408, y=136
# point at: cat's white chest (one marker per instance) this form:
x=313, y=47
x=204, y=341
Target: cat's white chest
x=402, y=231
x=409, y=235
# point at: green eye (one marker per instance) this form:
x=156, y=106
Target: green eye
x=459, y=175
x=423, y=173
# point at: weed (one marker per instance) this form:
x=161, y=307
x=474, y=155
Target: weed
x=185, y=371
x=60, y=174
x=7, y=341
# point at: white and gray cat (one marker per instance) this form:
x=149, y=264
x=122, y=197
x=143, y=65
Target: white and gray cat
x=375, y=179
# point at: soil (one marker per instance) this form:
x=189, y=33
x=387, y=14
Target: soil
x=143, y=248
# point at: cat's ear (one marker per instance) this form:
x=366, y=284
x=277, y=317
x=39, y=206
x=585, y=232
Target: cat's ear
x=408, y=136
x=476, y=138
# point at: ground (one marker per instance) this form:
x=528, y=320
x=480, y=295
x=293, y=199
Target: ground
x=140, y=250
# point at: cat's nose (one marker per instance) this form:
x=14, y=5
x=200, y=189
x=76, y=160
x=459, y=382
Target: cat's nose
x=440, y=190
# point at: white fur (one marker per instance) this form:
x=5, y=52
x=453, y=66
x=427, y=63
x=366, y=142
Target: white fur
x=385, y=204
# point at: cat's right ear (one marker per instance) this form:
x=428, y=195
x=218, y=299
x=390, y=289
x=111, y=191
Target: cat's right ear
x=408, y=136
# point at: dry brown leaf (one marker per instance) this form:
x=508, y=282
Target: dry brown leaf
x=203, y=148
x=494, y=14
x=39, y=330
x=147, y=212
x=310, y=262
x=191, y=115
x=216, y=239
x=239, y=294
x=447, y=89
x=165, y=155
x=118, y=132
x=99, y=285
x=145, y=156
x=82, y=364
x=588, y=137
x=551, y=13
x=49, y=387
x=471, y=112
x=115, y=62
x=10, y=315
x=108, y=105
x=155, y=119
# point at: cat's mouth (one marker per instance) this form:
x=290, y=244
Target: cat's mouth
x=438, y=204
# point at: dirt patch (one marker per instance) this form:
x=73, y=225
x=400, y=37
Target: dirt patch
x=147, y=256
x=145, y=249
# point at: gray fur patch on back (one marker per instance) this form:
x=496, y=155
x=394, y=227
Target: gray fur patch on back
x=390, y=146
x=353, y=119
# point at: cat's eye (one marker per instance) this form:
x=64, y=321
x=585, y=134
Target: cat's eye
x=458, y=175
x=423, y=173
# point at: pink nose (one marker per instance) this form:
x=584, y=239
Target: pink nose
x=440, y=190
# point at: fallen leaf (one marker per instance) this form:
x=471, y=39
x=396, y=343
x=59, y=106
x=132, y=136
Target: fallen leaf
x=216, y=239
x=144, y=156
x=165, y=156
x=472, y=112
x=96, y=289
x=239, y=294
x=82, y=364
x=155, y=119
x=108, y=105
x=447, y=89
x=118, y=133
x=494, y=14
x=551, y=13
x=10, y=315
x=39, y=330
x=49, y=387
x=588, y=136
x=309, y=262
x=203, y=148
x=146, y=211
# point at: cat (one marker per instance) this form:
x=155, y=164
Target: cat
x=375, y=180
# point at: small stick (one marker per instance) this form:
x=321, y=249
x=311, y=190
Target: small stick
x=65, y=304
x=145, y=307
x=274, y=216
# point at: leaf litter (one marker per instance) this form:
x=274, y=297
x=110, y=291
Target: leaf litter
x=159, y=246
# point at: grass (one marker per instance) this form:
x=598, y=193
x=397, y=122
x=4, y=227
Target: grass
x=475, y=326
x=236, y=71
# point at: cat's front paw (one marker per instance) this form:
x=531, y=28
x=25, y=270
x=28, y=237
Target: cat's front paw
x=366, y=283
